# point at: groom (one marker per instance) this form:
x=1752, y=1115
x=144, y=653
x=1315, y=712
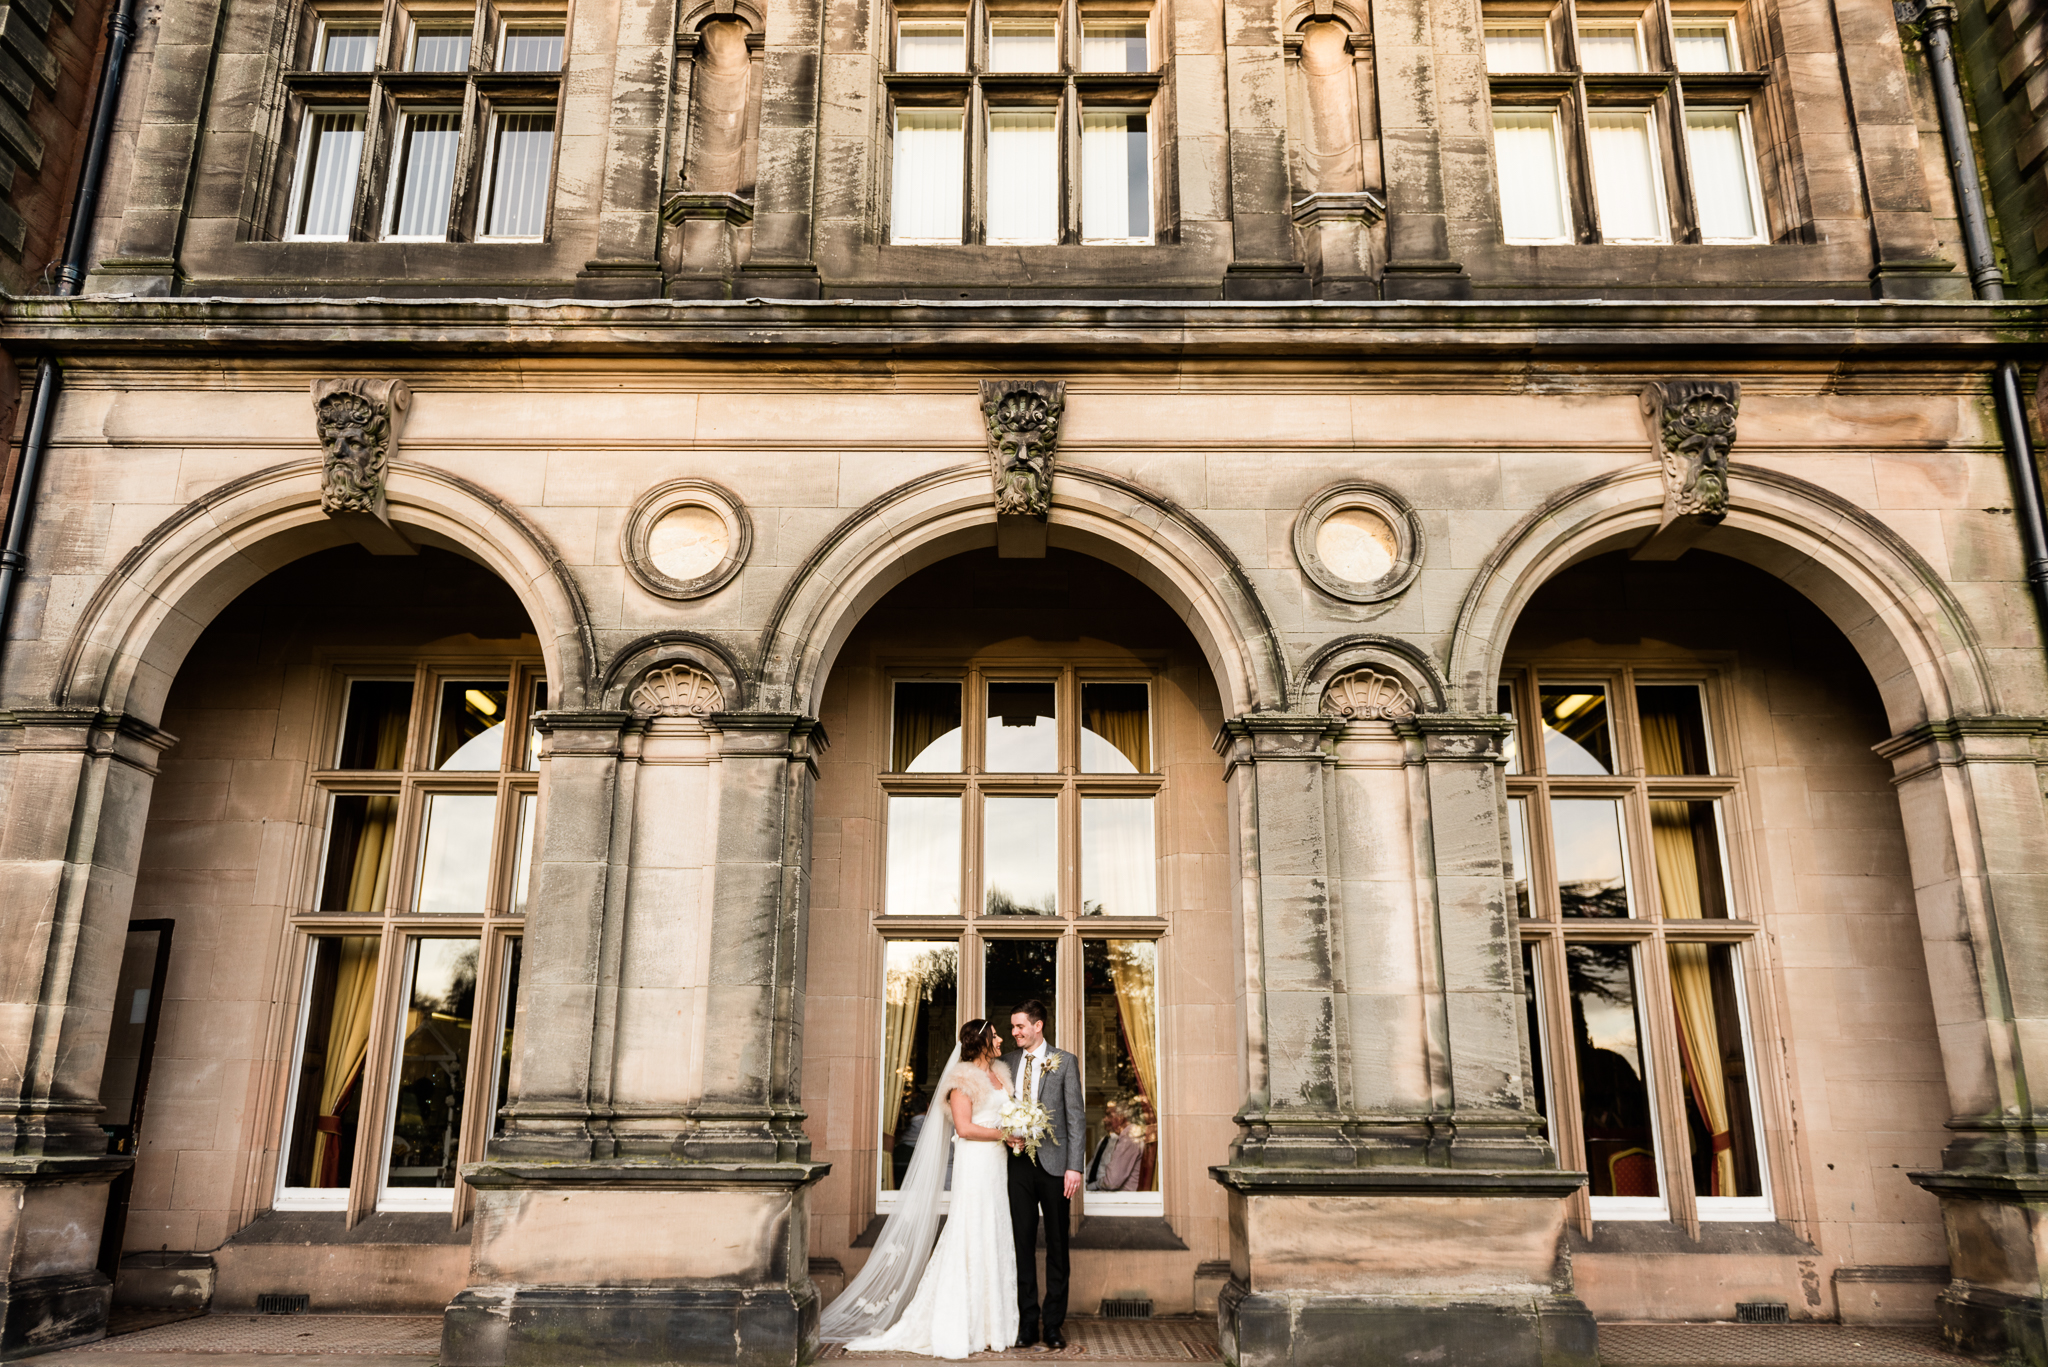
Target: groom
x=1053, y=1078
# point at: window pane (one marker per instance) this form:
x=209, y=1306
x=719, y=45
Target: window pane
x=1614, y=1089
x=920, y=1025
x=1119, y=875
x=522, y=857
x=532, y=49
x=926, y=737
x=1114, y=47
x=349, y=49
x=1120, y=1063
x=1625, y=179
x=522, y=146
x=539, y=705
x=455, y=854
x=1704, y=47
x=1691, y=882
x=471, y=730
x=931, y=47
x=425, y=175
x=1020, y=856
x=1023, y=45
x=1609, y=47
x=327, y=173
x=1116, y=177
x=373, y=731
x=1512, y=51
x=508, y=1020
x=1504, y=702
x=426, y=1103
x=1017, y=971
x=924, y=857
x=1116, y=728
x=1532, y=203
x=357, y=878
x=1023, y=735
x=1720, y=174
x=1023, y=176
x=334, y=1039
x=1539, y=1040
x=1592, y=878
x=445, y=49
x=1674, y=729
x=1518, y=856
x=1711, y=1049
x=1576, y=739
x=926, y=192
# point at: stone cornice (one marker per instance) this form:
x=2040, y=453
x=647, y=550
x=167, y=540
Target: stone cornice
x=1634, y=330
x=1539, y=1184
x=643, y=1176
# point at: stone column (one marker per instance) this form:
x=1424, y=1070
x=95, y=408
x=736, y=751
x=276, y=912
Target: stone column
x=1388, y=1120
x=1977, y=839
x=703, y=1156
x=77, y=797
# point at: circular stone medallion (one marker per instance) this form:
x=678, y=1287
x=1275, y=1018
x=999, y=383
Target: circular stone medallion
x=687, y=542
x=686, y=539
x=1359, y=542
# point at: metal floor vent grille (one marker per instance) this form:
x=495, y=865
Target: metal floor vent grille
x=1129, y=1308
x=1760, y=1312
x=283, y=1303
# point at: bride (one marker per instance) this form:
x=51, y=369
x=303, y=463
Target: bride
x=960, y=1297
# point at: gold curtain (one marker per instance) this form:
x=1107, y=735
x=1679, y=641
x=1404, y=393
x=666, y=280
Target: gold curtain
x=370, y=881
x=1128, y=730
x=348, y=1044
x=1692, y=980
x=901, y=998
x=1131, y=968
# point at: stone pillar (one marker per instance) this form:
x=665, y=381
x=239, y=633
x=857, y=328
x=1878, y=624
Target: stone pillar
x=1977, y=838
x=675, y=1113
x=1390, y=1201
x=76, y=800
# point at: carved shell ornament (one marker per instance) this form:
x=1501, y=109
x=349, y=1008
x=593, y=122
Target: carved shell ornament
x=678, y=691
x=1368, y=695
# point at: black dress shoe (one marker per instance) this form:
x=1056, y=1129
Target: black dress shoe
x=1055, y=1342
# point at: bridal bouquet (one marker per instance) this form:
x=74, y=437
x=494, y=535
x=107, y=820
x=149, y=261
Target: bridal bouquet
x=1025, y=1120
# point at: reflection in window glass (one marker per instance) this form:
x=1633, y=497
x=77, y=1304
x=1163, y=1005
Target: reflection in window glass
x=1685, y=837
x=1022, y=735
x=334, y=1041
x=1023, y=45
x=924, y=857
x=349, y=49
x=1719, y=1114
x=470, y=734
x=1120, y=1064
x=926, y=735
x=1511, y=745
x=434, y=1035
x=925, y=46
x=920, y=1025
x=1614, y=1089
x=1674, y=729
x=522, y=854
x=455, y=854
x=1592, y=875
x=373, y=732
x=1116, y=729
x=539, y=705
x=1576, y=738
x=357, y=878
x=1113, y=46
x=1518, y=854
x=1119, y=875
x=1539, y=1043
x=1020, y=856
x=1017, y=971
x=508, y=1020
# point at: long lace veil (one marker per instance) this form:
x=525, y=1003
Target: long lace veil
x=875, y=1299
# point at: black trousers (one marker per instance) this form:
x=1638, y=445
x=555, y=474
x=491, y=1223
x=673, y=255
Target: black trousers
x=1034, y=1191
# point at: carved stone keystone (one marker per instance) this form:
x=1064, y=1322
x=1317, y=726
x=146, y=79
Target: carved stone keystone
x=359, y=422
x=678, y=691
x=1368, y=695
x=1023, y=419
x=1692, y=430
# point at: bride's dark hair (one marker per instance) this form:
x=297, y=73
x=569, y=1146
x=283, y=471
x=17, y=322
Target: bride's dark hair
x=979, y=1040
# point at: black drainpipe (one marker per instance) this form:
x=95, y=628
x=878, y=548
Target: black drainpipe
x=70, y=276
x=1936, y=21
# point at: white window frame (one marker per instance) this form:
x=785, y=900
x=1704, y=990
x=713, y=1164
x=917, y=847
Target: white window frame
x=1660, y=195
x=1656, y=1207
x=1746, y=132
x=487, y=195
x=1096, y=17
x=400, y=162
x=1680, y=19
x=415, y=1198
x=1541, y=28
x=913, y=20
x=295, y=207
x=435, y=27
x=1564, y=195
x=1597, y=21
x=1751, y=1208
x=373, y=23
x=1151, y=175
x=306, y=1198
x=505, y=28
x=896, y=151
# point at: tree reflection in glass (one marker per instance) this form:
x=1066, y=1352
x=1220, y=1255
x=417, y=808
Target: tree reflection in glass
x=1592, y=871
x=1614, y=1089
x=426, y=1105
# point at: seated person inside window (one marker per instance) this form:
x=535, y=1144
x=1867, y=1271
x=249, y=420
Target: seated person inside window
x=1118, y=1160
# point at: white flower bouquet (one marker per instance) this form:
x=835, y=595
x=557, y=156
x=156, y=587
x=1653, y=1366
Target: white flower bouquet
x=1025, y=1120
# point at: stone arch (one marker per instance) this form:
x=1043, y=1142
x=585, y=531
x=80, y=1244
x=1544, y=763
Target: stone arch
x=133, y=635
x=1389, y=655
x=663, y=649
x=950, y=511
x=1911, y=632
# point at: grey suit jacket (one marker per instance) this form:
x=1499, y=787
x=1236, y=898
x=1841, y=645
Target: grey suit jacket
x=1060, y=1094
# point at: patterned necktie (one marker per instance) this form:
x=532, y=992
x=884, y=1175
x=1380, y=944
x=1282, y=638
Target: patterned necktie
x=1030, y=1078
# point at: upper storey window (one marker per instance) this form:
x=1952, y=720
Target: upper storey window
x=1620, y=123
x=1022, y=125
x=434, y=125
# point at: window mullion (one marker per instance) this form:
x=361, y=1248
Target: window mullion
x=1668, y=1097
x=373, y=1135
x=1567, y=1127
x=366, y=220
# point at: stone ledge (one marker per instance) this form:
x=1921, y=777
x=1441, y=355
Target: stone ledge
x=1400, y=1181
x=1984, y=1186
x=643, y=1176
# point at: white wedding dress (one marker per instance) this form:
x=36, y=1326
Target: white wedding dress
x=966, y=1301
